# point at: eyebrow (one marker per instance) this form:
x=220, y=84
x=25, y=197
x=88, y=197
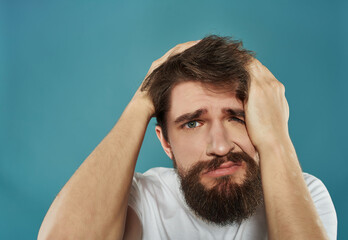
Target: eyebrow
x=190, y=116
x=196, y=114
x=234, y=112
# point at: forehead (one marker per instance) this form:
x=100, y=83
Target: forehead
x=189, y=96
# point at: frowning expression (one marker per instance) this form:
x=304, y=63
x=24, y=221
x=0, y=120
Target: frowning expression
x=204, y=123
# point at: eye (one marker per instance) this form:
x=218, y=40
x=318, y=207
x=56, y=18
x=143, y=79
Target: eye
x=237, y=120
x=192, y=124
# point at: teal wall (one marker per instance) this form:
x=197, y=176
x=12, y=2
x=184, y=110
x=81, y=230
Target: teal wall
x=68, y=69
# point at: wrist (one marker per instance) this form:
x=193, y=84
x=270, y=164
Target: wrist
x=142, y=103
x=279, y=160
x=277, y=146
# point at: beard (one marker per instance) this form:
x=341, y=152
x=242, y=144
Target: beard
x=226, y=202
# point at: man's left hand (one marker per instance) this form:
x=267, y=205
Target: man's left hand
x=266, y=109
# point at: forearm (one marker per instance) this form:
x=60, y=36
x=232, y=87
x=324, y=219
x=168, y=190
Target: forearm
x=290, y=211
x=93, y=203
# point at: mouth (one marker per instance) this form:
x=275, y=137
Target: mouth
x=227, y=168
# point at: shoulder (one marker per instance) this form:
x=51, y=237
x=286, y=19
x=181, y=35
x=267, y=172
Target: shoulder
x=157, y=172
x=316, y=188
x=157, y=180
x=323, y=203
x=318, y=191
x=157, y=176
x=150, y=187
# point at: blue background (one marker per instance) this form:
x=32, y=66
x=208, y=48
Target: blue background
x=69, y=68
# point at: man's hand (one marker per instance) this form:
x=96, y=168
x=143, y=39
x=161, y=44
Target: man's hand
x=172, y=52
x=290, y=211
x=143, y=95
x=266, y=110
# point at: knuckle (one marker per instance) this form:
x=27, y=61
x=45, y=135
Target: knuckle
x=179, y=45
x=276, y=84
x=281, y=86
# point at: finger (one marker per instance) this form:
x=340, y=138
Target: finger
x=172, y=52
x=182, y=47
x=259, y=73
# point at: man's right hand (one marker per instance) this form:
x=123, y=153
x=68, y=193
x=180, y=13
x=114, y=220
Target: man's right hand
x=143, y=95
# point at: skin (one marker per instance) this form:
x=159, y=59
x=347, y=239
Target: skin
x=108, y=170
x=215, y=133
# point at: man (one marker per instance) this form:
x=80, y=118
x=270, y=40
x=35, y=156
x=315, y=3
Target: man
x=222, y=119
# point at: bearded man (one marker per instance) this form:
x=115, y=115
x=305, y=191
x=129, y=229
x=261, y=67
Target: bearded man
x=223, y=120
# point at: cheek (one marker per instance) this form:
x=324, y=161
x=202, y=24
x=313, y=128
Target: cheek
x=249, y=148
x=241, y=138
x=186, y=149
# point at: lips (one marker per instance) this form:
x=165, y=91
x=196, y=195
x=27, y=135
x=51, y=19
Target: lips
x=226, y=168
x=228, y=164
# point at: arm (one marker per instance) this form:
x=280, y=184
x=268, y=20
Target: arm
x=93, y=203
x=290, y=211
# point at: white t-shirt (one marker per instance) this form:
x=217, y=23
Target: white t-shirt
x=157, y=200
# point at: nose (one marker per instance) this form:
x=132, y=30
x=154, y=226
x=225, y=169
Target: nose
x=219, y=143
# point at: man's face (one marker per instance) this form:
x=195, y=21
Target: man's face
x=209, y=143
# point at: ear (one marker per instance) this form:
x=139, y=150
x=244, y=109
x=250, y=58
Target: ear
x=166, y=145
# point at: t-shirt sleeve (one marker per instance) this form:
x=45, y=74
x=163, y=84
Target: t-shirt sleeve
x=134, y=199
x=323, y=204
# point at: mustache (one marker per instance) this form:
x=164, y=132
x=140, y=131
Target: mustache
x=236, y=157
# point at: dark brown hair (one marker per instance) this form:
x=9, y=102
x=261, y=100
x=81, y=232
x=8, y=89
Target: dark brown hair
x=215, y=60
